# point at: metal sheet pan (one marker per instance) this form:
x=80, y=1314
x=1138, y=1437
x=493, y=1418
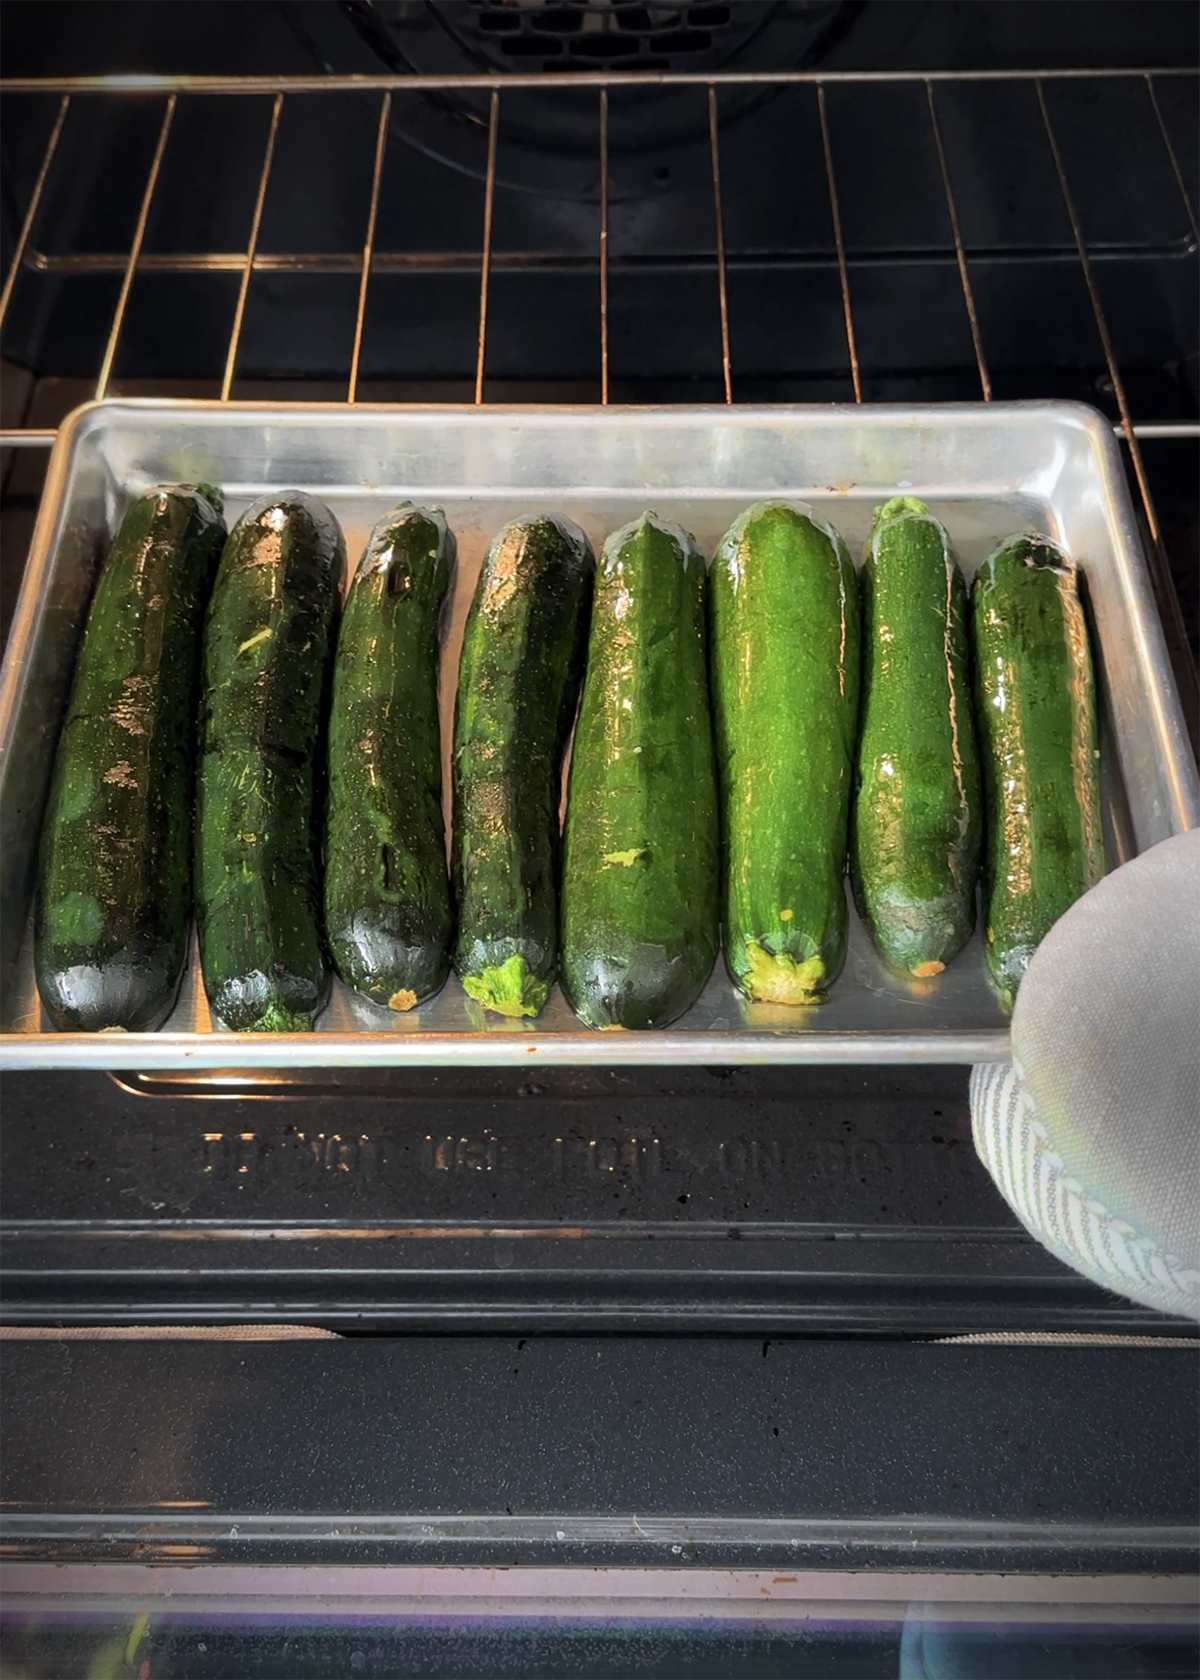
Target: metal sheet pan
x=987, y=470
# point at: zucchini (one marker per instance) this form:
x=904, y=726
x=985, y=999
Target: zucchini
x=640, y=866
x=1036, y=713
x=388, y=917
x=785, y=665
x=518, y=686
x=114, y=895
x=917, y=819
x=267, y=646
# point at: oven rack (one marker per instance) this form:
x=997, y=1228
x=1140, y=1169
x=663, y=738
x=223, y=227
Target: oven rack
x=30, y=259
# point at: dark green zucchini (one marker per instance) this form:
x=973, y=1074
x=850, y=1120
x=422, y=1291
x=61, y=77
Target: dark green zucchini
x=518, y=686
x=387, y=894
x=640, y=867
x=785, y=665
x=917, y=820
x=268, y=647
x=1036, y=712
x=114, y=896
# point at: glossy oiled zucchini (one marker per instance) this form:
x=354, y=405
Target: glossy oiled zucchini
x=1036, y=711
x=268, y=647
x=917, y=820
x=114, y=898
x=640, y=866
x=387, y=894
x=518, y=686
x=785, y=666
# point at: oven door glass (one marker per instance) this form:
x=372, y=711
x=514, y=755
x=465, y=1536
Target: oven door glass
x=259, y=1624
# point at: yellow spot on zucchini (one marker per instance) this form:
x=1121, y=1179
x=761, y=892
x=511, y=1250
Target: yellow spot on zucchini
x=253, y=641
x=926, y=970
x=403, y=999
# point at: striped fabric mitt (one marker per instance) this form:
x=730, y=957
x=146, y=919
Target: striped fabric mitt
x=1092, y=1132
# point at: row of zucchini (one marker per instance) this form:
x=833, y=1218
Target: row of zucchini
x=737, y=735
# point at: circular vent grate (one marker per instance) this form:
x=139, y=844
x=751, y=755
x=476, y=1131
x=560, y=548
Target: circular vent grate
x=612, y=35
x=609, y=34
x=463, y=37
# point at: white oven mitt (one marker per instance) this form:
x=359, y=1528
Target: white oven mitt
x=1092, y=1133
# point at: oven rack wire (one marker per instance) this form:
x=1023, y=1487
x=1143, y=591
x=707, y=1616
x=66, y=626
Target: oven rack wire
x=368, y=260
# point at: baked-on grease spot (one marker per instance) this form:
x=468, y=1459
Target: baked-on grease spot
x=504, y=577
x=125, y=714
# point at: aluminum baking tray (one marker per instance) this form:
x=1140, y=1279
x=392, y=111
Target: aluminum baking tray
x=987, y=470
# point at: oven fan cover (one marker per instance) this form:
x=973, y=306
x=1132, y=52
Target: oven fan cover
x=601, y=34
x=449, y=37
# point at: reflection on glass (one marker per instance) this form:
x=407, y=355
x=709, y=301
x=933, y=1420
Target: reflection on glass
x=676, y=1623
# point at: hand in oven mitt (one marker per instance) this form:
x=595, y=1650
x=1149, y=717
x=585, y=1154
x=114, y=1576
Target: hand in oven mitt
x=1092, y=1132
